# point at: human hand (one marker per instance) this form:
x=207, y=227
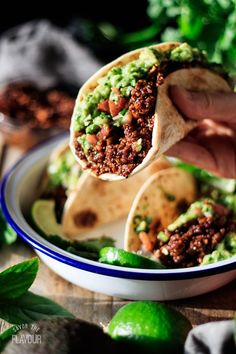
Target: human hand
x=212, y=144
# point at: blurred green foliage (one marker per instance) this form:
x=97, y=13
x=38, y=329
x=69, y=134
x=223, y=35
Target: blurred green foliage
x=207, y=24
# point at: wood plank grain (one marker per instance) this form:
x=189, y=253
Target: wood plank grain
x=99, y=308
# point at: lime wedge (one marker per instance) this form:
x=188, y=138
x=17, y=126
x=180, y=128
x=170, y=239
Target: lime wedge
x=44, y=219
x=119, y=257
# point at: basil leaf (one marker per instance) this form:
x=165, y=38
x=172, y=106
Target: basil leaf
x=85, y=254
x=58, y=241
x=10, y=235
x=29, y=308
x=93, y=244
x=16, y=280
x=90, y=245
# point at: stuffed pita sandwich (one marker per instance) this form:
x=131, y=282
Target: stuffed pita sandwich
x=95, y=202
x=124, y=119
x=182, y=220
x=82, y=201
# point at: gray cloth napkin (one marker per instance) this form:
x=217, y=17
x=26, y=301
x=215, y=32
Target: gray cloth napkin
x=39, y=51
x=211, y=338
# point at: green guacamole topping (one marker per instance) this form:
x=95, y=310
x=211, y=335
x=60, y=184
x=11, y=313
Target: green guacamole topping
x=124, y=78
x=224, y=250
x=196, y=209
x=186, y=53
x=63, y=171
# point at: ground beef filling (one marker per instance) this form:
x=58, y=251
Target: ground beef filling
x=117, y=152
x=188, y=244
x=114, y=149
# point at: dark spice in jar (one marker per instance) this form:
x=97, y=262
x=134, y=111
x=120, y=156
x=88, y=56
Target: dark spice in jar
x=25, y=104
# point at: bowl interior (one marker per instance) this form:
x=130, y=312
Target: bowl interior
x=20, y=188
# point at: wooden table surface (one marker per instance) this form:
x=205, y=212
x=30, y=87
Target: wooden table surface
x=98, y=308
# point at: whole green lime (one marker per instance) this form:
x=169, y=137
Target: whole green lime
x=150, y=327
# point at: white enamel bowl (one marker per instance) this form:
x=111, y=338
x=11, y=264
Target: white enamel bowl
x=18, y=191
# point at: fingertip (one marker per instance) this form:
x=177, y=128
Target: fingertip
x=187, y=102
x=175, y=91
x=179, y=95
x=193, y=153
x=176, y=150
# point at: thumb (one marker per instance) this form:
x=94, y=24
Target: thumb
x=219, y=106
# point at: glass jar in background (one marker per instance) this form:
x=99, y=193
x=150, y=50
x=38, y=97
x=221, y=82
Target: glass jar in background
x=29, y=114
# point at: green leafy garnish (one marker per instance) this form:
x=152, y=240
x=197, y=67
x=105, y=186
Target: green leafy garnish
x=16, y=280
x=85, y=254
x=7, y=234
x=18, y=305
x=206, y=24
x=85, y=248
x=29, y=308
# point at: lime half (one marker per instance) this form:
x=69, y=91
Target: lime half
x=119, y=257
x=44, y=219
x=150, y=327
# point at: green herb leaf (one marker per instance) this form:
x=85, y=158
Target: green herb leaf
x=85, y=254
x=58, y=241
x=16, y=280
x=7, y=234
x=29, y=308
x=93, y=245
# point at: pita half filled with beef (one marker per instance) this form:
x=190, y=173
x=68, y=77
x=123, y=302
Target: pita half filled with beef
x=183, y=221
x=79, y=202
x=124, y=119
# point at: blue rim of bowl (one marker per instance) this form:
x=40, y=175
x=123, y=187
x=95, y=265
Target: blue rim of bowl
x=112, y=271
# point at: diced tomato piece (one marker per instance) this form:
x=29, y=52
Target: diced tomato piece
x=114, y=108
x=147, y=244
x=104, y=132
x=91, y=138
x=104, y=106
x=108, y=106
x=122, y=103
